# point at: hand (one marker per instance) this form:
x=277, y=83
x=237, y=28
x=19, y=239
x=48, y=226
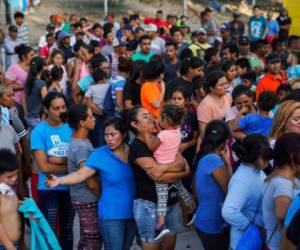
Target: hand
x=142, y=127
x=52, y=181
x=244, y=110
x=155, y=172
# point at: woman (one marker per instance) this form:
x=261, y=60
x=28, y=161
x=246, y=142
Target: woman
x=84, y=195
x=211, y=182
x=153, y=89
x=191, y=68
x=16, y=74
x=115, y=206
x=280, y=187
x=242, y=204
x=143, y=166
x=132, y=88
x=286, y=119
x=230, y=69
x=216, y=103
x=49, y=143
x=36, y=90
x=242, y=98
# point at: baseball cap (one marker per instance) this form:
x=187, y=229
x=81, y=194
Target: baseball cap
x=201, y=31
x=273, y=57
x=224, y=27
x=151, y=27
x=236, y=14
x=244, y=40
x=50, y=26
x=63, y=35
x=12, y=28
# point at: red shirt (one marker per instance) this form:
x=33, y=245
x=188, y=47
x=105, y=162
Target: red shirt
x=270, y=83
x=158, y=23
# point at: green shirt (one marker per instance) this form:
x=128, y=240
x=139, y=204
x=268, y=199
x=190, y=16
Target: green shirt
x=143, y=57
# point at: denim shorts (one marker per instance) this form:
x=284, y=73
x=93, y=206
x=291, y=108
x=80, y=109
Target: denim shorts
x=145, y=215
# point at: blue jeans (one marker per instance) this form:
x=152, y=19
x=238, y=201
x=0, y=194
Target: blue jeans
x=56, y=206
x=117, y=234
x=145, y=215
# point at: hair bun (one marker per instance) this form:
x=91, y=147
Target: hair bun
x=239, y=149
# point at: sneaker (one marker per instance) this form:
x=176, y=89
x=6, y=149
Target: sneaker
x=161, y=232
x=191, y=219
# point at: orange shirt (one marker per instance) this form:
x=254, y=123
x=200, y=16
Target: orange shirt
x=270, y=83
x=150, y=92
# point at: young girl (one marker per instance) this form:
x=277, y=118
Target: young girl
x=94, y=98
x=57, y=59
x=189, y=127
x=56, y=74
x=84, y=195
x=165, y=147
x=36, y=90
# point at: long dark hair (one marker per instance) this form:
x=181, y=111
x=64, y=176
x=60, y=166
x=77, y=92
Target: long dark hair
x=36, y=67
x=216, y=134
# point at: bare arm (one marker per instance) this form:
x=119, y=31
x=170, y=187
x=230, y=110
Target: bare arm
x=95, y=109
x=282, y=204
x=202, y=126
x=12, y=83
x=44, y=92
x=222, y=177
x=92, y=182
x=151, y=141
x=128, y=104
x=73, y=178
x=119, y=97
x=237, y=134
x=47, y=167
x=157, y=103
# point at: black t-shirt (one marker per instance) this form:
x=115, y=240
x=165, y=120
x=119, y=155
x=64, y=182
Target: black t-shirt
x=189, y=125
x=179, y=81
x=293, y=230
x=283, y=34
x=132, y=92
x=145, y=186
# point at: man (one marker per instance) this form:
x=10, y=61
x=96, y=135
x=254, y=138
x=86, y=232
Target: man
x=171, y=62
x=110, y=22
x=145, y=52
x=237, y=27
x=257, y=26
x=10, y=42
x=225, y=34
x=23, y=27
x=285, y=23
x=198, y=48
x=64, y=45
x=244, y=48
x=50, y=29
x=210, y=25
x=131, y=41
x=273, y=28
x=230, y=52
x=178, y=39
x=113, y=58
x=274, y=77
x=157, y=43
x=158, y=21
x=108, y=48
x=45, y=51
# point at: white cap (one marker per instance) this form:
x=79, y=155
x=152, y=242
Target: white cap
x=151, y=27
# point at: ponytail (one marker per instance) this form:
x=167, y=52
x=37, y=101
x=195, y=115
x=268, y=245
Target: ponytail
x=36, y=67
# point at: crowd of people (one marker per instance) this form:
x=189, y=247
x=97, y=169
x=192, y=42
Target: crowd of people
x=141, y=127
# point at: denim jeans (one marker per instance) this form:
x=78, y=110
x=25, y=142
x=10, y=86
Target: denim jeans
x=57, y=207
x=117, y=234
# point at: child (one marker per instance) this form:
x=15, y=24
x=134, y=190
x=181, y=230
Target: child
x=10, y=221
x=165, y=147
x=23, y=27
x=95, y=99
x=293, y=71
x=249, y=80
x=259, y=123
x=56, y=75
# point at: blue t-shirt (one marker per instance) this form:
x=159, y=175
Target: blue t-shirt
x=293, y=72
x=273, y=28
x=255, y=124
x=85, y=82
x=117, y=84
x=117, y=183
x=211, y=196
x=54, y=141
x=257, y=27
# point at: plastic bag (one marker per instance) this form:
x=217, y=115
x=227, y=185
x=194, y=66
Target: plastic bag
x=251, y=239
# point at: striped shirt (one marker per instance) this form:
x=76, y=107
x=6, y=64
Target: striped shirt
x=23, y=33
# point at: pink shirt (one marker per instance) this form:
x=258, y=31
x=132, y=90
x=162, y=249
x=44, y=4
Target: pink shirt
x=83, y=70
x=170, y=141
x=209, y=110
x=18, y=75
